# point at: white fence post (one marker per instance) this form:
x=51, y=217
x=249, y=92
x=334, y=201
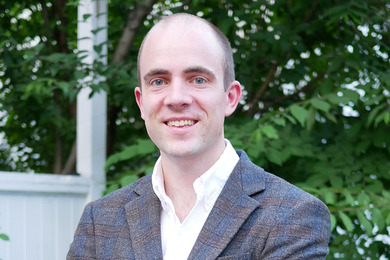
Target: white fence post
x=91, y=112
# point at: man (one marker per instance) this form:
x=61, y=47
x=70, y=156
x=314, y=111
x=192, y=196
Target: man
x=204, y=200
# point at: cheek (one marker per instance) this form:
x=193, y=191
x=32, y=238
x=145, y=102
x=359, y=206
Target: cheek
x=151, y=108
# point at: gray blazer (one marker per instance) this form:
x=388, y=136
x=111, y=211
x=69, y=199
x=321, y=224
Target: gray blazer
x=256, y=216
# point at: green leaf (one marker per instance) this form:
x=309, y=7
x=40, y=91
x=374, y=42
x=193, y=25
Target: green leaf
x=335, y=64
x=86, y=16
x=348, y=197
x=375, y=187
x=373, y=101
x=256, y=137
x=379, y=118
x=336, y=182
x=64, y=86
x=352, y=95
x=98, y=30
x=54, y=69
x=4, y=237
x=286, y=154
x=299, y=113
x=270, y=132
x=3, y=43
x=333, y=222
x=330, y=198
x=279, y=121
x=376, y=215
x=290, y=118
x=363, y=199
x=320, y=105
x=388, y=220
x=111, y=188
x=274, y=156
x=331, y=117
x=346, y=221
x=225, y=25
x=336, y=10
x=362, y=146
x=365, y=223
x=141, y=148
x=373, y=113
x=297, y=151
x=386, y=118
x=79, y=74
x=149, y=170
x=336, y=100
x=126, y=180
x=311, y=118
x=56, y=57
x=98, y=48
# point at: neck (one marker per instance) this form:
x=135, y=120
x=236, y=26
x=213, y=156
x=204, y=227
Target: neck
x=180, y=174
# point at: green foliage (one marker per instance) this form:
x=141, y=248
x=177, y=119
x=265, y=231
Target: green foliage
x=4, y=237
x=315, y=110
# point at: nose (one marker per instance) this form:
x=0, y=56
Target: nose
x=178, y=95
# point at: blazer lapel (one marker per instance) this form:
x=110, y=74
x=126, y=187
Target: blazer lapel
x=143, y=216
x=230, y=211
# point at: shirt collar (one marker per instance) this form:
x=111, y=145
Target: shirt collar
x=208, y=186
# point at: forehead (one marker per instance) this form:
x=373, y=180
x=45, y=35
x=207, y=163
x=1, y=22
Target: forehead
x=181, y=42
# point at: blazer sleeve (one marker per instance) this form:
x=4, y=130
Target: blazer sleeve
x=302, y=232
x=83, y=245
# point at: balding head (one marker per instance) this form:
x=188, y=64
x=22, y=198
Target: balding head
x=183, y=20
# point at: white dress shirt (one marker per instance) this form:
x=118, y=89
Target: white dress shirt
x=179, y=238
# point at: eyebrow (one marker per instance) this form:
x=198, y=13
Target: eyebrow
x=200, y=69
x=155, y=72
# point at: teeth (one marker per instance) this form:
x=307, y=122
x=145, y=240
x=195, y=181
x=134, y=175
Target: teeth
x=181, y=123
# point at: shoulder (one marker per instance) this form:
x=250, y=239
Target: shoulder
x=285, y=209
x=276, y=191
x=124, y=195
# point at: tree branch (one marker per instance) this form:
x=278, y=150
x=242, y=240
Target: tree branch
x=302, y=90
x=305, y=89
x=253, y=105
x=70, y=163
x=134, y=22
x=59, y=7
x=46, y=22
x=310, y=15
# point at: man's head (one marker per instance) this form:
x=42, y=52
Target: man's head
x=228, y=62
x=185, y=95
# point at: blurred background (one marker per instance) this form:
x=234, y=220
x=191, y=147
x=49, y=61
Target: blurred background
x=315, y=109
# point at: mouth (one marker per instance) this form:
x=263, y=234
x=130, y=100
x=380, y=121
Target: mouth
x=180, y=123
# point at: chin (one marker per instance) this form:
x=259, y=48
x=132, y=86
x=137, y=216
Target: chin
x=178, y=153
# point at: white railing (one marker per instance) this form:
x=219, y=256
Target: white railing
x=40, y=212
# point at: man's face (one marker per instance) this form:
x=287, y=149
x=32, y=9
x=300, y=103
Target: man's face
x=182, y=100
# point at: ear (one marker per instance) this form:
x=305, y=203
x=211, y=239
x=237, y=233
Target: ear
x=138, y=98
x=234, y=93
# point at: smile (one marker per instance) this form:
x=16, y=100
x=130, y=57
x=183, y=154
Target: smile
x=181, y=123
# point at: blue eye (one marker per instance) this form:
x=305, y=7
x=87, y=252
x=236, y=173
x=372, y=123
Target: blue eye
x=158, y=82
x=199, y=81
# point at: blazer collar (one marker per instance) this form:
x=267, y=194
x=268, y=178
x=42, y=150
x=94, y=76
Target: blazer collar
x=231, y=209
x=143, y=216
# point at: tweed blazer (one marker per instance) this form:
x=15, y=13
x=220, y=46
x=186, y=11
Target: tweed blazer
x=257, y=216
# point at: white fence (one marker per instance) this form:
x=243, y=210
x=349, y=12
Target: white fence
x=40, y=212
